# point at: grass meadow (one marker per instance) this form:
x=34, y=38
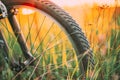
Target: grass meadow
x=102, y=28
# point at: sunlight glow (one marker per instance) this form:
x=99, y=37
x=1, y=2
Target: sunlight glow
x=27, y=11
x=80, y=2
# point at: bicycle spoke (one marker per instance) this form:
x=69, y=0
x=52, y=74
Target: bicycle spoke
x=30, y=26
x=38, y=33
x=35, y=68
x=44, y=37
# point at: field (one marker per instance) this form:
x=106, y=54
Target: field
x=101, y=25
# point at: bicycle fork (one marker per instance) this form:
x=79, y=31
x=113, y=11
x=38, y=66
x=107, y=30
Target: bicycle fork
x=10, y=13
x=19, y=35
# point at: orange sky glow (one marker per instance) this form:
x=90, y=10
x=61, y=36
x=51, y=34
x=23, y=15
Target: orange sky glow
x=71, y=3
x=79, y=2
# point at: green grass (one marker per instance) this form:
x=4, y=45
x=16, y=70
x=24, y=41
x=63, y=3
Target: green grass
x=49, y=67
x=52, y=65
x=107, y=66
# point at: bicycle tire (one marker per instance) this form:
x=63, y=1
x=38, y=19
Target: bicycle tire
x=70, y=26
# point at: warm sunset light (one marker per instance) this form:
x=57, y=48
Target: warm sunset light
x=27, y=11
x=62, y=3
x=59, y=39
x=79, y=2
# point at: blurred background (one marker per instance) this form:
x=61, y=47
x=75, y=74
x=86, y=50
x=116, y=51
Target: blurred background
x=94, y=16
x=99, y=20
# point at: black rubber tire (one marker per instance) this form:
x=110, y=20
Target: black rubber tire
x=77, y=37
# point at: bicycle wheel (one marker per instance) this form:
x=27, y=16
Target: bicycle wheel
x=51, y=34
